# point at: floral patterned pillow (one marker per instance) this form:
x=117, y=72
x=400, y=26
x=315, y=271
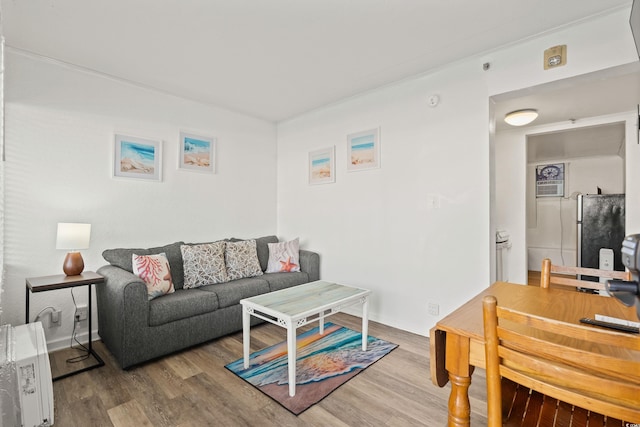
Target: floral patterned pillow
x=242, y=259
x=154, y=271
x=284, y=257
x=204, y=264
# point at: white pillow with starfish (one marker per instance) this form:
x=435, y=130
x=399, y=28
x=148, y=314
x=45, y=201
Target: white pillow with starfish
x=284, y=257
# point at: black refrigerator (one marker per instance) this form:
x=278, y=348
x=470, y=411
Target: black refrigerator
x=600, y=225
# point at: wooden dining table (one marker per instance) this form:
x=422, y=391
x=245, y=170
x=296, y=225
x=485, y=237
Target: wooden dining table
x=457, y=341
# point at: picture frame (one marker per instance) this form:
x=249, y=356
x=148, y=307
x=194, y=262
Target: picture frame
x=322, y=166
x=197, y=153
x=363, y=150
x=137, y=158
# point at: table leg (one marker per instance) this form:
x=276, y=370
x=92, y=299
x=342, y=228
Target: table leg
x=365, y=323
x=321, y=323
x=90, y=349
x=89, y=314
x=246, y=335
x=27, y=304
x=459, y=406
x=457, y=364
x=291, y=353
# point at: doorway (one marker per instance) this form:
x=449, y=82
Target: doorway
x=592, y=161
x=586, y=102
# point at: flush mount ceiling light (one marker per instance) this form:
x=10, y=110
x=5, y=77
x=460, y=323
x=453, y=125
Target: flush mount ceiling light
x=521, y=117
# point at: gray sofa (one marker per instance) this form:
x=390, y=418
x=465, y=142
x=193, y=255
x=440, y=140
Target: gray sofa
x=136, y=330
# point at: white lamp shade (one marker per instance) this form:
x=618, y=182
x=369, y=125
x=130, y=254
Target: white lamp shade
x=73, y=236
x=521, y=117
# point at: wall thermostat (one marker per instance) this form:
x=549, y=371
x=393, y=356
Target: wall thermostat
x=434, y=100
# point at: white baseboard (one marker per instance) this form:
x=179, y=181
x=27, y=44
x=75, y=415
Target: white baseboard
x=62, y=343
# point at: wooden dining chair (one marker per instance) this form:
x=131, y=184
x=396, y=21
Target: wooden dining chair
x=559, y=275
x=566, y=374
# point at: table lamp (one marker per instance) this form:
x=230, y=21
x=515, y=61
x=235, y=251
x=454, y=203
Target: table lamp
x=73, y=236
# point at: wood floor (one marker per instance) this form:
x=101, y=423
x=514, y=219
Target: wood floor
x=192, y=388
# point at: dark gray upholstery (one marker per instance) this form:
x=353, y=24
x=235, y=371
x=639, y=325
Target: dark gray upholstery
x=122, y=258
x=180, y=305
x=310, y=264
x=279, y=281
x=136, y=330
x=230, y=293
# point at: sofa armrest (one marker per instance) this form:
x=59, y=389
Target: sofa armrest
x=310, y=264
x=123, y=308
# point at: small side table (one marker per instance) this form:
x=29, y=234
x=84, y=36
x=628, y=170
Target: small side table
x=60, y=281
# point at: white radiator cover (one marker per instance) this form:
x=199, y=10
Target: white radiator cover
x=25, y=383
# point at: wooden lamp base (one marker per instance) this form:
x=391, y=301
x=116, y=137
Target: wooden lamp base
x=73, y=264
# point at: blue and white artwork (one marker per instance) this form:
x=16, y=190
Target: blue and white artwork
x=363, y=150
x=322, y=166
x=137, y=158
x=197, y=152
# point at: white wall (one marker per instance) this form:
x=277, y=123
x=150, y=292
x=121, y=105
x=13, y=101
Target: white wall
x=632, y=176
x=60, y=124
x=552, y=229
x=376, y=229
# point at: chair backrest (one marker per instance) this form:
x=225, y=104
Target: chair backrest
x=547, y=269
x=593, y=368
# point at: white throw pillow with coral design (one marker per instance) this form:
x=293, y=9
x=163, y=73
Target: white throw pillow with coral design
x=284, y=257
x=154, y=271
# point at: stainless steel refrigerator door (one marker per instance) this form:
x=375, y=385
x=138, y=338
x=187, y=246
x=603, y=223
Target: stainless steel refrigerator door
x=600, y=225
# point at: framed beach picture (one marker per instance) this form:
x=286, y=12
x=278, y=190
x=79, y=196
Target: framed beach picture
x=363, y=150
x=322, y=168
x=138, y=158
x=197, y=153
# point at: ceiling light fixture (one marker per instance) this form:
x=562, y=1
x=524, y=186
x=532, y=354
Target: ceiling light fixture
x=521, y=117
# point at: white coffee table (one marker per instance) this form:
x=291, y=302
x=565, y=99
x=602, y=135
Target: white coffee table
x=296, y=306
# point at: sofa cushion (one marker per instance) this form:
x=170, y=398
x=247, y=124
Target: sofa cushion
x=155, y=272
x=231, y=293
x=279, y=281
x=204, y=264
x=181, y=304
x=241, y=259
x=284, y=257
x=122, y=258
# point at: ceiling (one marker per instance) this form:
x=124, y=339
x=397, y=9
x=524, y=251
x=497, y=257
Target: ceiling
x=279, y=58
x=611, y=91
x=593, y=141
x=607, y=92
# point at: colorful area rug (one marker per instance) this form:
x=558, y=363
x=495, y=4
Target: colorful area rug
x=325, y=362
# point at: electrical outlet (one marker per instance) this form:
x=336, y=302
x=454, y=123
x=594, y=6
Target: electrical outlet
x=81, y=313
x=433, y=308
x=56, y=318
